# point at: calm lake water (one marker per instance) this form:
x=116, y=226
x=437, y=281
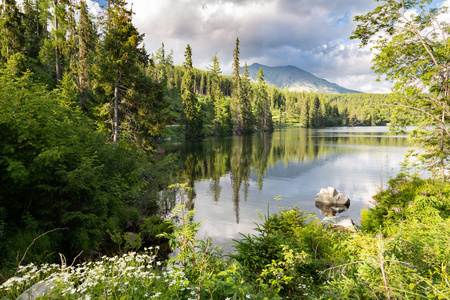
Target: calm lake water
x=234, y=178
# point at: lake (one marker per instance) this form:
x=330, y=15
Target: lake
x=234, y=178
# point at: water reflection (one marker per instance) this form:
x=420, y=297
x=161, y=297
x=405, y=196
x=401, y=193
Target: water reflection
x=233, y=177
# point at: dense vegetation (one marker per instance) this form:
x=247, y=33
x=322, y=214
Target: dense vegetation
x=292, y=255
x=82, y=105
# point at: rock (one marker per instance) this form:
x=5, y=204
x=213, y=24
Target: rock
x=331, y=209
x=345, y=222
x=331, y=196
x=38, y=289
x=397, y=210
x=395, y=192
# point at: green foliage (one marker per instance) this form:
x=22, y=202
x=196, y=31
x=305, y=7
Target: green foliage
x=278, y=257
x=412, y=51
x=191, y=106
x=153, y=227
x=57, y=170
x=302, y=260
x=408, y=198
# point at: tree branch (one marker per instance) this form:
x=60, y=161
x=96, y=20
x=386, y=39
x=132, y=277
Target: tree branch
x=422, y=111
x=26, y=251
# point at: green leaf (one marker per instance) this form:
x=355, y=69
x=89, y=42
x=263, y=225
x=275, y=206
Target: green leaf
x=222, y=273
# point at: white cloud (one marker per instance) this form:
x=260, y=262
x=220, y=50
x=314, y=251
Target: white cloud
x=312, y=35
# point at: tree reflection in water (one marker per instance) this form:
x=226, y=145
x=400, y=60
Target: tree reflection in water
x=246, y=158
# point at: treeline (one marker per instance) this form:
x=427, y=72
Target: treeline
x=305, y=109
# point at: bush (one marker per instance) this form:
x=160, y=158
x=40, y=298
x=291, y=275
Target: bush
x=153, y=227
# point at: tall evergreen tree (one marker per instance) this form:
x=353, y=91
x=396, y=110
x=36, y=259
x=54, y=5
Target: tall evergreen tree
x=245, y=105
x=191, y=106
x=119, y=57
x=261, y=104
x=161, y=72
x=221, y=108
x=87, y=39
x=34, y=22
x=54, y=48
x=58, y=33
x=11, y=30
x=216, y=93
x=314, y=112
x=236, y=91
x=304, y=113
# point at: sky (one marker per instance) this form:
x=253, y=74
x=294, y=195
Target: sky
x=310, y=34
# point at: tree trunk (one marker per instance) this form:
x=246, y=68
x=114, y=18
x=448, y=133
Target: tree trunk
x=57, y=58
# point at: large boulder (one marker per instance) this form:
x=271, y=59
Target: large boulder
x=331, y=196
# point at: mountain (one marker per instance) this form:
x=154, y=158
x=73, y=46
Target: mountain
x=295, y=79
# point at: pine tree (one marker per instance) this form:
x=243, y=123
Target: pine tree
x=161, y=73
x=304, y=113
x=56, y=47
x=314, y=112
x=191, y=106
x=87, y=40
x=262, y=112
x=235, y=90
x=11, y=30
x=221, y=108
x=241, y=108
x=245, y=94
x=216, y=93
x=236, y=77
x=34, y=27
x=119, y=57
x=58, y=34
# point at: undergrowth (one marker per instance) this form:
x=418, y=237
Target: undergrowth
x=399, y=255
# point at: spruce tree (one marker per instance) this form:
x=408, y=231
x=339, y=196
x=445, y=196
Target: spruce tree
x=87, y=39
x=221, y=108
x=191, y=106
x=138, y=101
x=304, y=113
x=34, y=27
x=245, y=94
x=262, y=111
x=11, y=30
x=314, y=112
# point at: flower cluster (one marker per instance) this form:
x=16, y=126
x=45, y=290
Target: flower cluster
x=134, y=275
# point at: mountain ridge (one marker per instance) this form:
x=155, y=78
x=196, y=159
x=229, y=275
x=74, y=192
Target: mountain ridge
x=295, y=79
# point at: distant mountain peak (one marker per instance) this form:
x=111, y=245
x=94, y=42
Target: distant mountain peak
x=295, y=79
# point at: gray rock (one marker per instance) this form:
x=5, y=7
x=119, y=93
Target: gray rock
x=346, y=222
x=37, y=290
x=331, y=196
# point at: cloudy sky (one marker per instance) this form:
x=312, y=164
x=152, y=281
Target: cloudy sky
x=310, y=34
